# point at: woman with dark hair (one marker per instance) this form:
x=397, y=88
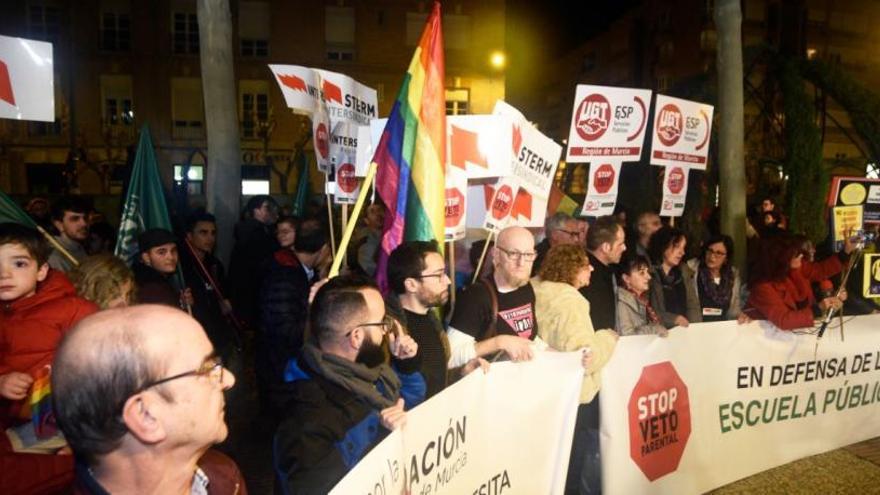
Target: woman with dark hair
x=714, y=283
x=668, y=294
x=635, y=314
x=780, y=283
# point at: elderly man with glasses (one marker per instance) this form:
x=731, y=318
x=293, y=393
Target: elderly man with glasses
x=342, y=395
x=559, y=229
x=496, y=315
x=138, y=393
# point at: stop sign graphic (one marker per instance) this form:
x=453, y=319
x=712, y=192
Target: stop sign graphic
x=345, y=178
x=322, y=140
x=603, y=178
x=659, y=420
x=503, y=202
x=454, y=207
x=675, y=181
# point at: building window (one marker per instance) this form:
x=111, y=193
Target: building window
x=254, y=28
x=115, y=32
x=187, y=108
x=457, y=101
x=339, y=33
x=254, y=107
x=195, y=178
x=185, y=32
x=44, y=23
x=116, y=99
x=44, y=129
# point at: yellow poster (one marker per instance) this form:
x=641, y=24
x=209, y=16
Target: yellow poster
x=847, y=221
x=871, y=285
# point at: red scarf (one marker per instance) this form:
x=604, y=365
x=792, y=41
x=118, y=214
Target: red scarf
x=643, y=298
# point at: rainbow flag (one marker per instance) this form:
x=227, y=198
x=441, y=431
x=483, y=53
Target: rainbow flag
x=42, y=416
x=411, y=154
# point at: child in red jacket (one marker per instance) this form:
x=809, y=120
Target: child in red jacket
x=38, y=306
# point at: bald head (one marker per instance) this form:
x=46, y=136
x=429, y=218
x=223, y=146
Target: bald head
x=104, y=360
x=513, y=257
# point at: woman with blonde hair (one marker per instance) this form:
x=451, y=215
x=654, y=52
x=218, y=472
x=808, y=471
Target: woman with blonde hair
x=105, y=280
x=564, y=323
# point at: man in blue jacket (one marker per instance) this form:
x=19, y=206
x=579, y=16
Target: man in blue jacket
x=341, y=394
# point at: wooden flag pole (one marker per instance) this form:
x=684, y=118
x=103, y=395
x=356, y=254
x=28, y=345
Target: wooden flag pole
x=482, y=257
x=355, y=214
x=57, y=245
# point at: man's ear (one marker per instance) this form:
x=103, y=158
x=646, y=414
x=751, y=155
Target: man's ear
x=59, y=226
x=189, y=236
x=42, y=272
x=146, y=259
x=140, y=417
x=409, y=284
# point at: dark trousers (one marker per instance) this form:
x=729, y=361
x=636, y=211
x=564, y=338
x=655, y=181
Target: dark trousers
x=584, y=466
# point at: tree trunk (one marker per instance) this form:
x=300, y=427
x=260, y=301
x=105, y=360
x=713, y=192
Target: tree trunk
x=223, y=181
x=732, y=178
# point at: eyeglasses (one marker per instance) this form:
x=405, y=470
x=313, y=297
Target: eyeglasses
x=517, y=255
x=385, y=325
x=439, y=275
x=571, y=233
x=713, y=252
x=212, y=367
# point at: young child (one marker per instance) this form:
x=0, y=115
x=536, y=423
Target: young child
x=38, y=306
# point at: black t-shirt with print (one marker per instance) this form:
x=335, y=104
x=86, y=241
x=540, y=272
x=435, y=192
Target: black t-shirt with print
x=427, y=331
x=516, y=312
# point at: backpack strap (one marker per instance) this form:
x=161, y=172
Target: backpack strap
x=491, y=330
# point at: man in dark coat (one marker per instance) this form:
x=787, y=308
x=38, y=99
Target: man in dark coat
x=254, y=244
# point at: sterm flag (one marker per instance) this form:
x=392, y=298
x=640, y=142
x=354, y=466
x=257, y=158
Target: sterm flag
x=411, y=154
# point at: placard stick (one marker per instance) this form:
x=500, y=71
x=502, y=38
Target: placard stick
x=482, y=257
x=344, y=226
x=55, y=244
x=355, y=213
x=330, y=218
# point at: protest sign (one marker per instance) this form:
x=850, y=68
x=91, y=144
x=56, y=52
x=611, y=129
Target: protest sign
x=305, y=89
x=27, y=80
x=675, y=420
x=682, y=132
x=846, y=222
x=602, y=189
x=675, y=184
x=871, y=275
x=852, y=191
x=608, y=123
x=343, y=154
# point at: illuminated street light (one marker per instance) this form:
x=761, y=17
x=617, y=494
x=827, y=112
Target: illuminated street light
x=497, y=59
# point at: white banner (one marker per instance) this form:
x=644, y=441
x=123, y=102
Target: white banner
x=343, y=153
x=304, y=89
x=479, y=197
x=27, y=81
x=501, y=432
x=717, y=402
x=602, y=190
x=480, y=145
x=608, y=123
x=675, y=186
x=521, y=198
x=456, y=203
x=682, y=131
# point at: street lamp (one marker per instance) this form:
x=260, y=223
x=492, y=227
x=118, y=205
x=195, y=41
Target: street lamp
x=497, y=59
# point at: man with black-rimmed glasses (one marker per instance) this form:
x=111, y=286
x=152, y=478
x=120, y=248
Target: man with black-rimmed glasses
x=342, y=396
x=138, y=393
x=497, y=314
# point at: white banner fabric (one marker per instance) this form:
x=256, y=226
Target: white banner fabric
x=505, y=431
x=27, y=80
x=717, y=402
x=305, y=89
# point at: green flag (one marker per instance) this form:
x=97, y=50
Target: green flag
x=145, y=203
x=303, y=189
x=11, y=212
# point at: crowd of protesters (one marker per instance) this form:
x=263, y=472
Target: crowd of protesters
x=141, y=357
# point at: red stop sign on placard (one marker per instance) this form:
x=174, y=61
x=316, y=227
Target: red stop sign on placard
x=322, y=140
x=659, y=420
x=454, y=207
x=503, y=202
x=345, y=178
x=603, y=178
x=675, y=180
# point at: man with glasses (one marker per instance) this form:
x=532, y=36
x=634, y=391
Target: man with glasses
x=418, y=281
x=559, y=229
x=497, y=314
x=138, y=393
x=342, y=396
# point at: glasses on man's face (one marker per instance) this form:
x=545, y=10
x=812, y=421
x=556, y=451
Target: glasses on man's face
x=385, y=325
x=574, y=234
x=212, y=367
x=439, y=275
x=518, y=255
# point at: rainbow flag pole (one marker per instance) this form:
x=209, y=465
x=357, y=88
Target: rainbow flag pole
x=411, y=154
